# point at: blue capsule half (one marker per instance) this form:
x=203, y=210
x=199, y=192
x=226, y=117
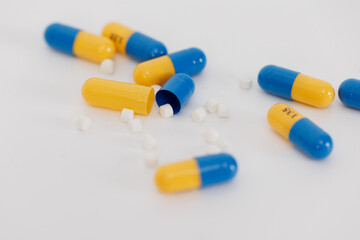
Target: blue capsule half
x=349, y=93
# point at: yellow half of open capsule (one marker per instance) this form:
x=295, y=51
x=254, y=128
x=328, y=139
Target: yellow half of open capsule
x=119, y=34
x=312, y=91
x=178, y=176
x=92, y=47
x=155, y=71
x=118, y=95
x=282, y=117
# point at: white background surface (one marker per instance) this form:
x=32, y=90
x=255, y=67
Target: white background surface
x=59, y=183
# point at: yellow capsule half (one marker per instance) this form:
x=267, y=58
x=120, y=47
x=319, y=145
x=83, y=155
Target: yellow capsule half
x=119, y=34
x=118, y=95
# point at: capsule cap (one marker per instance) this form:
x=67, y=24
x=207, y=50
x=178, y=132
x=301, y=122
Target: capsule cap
x=216, y=168
x=277, y=80
x=349, y=93
x=143, y=48
x=176, y=91
x=190, y=61
x=61, y=37
x=311, y=139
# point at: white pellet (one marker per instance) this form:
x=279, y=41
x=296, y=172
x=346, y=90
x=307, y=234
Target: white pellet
x=156, y=88
x=135, y=125
x=245, y=83
x=198, y=115
x=223, y=144
x=126, y=115
x=166, y=111
x=148, y=142
x=212, y=149
x=151, y=158
x=107, y=66
x=211, y=135
x=83, y=123
x=212, y=105
x=223, y=110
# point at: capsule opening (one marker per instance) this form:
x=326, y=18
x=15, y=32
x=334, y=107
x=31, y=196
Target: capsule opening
x=167, y=97
x=150, y=100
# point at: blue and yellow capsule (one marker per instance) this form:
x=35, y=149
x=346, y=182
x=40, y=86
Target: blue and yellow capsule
x=196, y=173
x=157, y=71
x=296, y=86
x=79, y=43
x=349, y=93
x=134, y=44
x=300, y=131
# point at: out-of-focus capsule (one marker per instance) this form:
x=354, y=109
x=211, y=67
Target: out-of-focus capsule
x=134, y=44
x=195, y=173
x=118, y=95
x=157, y=71
x=79, y=43
x=296, y=86
x=349, y=93
x=300, y=131
x=176, y=92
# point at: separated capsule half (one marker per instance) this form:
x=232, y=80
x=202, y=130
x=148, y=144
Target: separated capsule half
x=134, y=44
x=296, y=86
x=300, y=131
x=176, y=92
x=118, y=95
x=79, y=43
x=196, y=173
x=349, y=93
x=157, y=71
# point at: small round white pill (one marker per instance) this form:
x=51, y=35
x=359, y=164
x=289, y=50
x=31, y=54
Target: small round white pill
x=245, y=83
x=148, y=142
x=211, y=135
x=212, y=149
x=126, y=115
x=135, y=125
x=83, y=123
x=151, y=158
x=156, y=88
x=223, y=110
x=223, y=144
x=166, y=111
x=107, y=66
x=212, y=105
x=198, y=115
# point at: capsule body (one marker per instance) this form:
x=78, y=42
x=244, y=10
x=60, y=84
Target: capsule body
x=157, y=71
x=300, y=131
x=79, y=43
x=296, y=86
x=134, y=44
x=118, y=95
x=196, y=173
x=349, y=93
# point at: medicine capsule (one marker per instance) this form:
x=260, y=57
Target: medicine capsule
x=349, y=93
x=296, y=86
x=79, y=43
x=300, y=131
x=118, y=95
x=134, y=44
x=196, y=173
x=157, y=71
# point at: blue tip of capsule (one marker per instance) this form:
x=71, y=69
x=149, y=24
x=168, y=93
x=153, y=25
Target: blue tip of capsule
x=143, y=48
x=349, y=93
x=216, y=168
x=61, y=37
x=176, y=91
x=277, y=80
x=311, y=139
x=190, y=61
